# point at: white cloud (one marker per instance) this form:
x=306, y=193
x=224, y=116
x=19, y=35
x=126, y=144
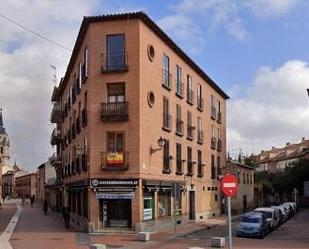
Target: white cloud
x=273, y=8
x=275, y=109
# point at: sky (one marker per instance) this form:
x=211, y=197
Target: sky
x=255, y=50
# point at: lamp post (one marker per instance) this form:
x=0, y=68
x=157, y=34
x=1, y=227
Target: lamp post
x=161, y=142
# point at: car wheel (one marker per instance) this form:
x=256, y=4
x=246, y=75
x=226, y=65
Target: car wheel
x=262, y=235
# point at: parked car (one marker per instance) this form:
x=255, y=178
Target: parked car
x=294, y=206
x=252, y=224
x=290, y=208
x=272, y=216
x=282, y=214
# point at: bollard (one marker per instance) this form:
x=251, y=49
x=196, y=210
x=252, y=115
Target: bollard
x=97, y=246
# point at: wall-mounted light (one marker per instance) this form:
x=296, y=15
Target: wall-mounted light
x=161, y=142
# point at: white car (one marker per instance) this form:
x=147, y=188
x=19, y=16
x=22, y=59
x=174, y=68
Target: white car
x=272, y=216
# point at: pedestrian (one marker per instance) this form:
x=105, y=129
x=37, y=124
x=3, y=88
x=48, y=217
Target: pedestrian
x=31, y=201
x=66, y=217
x=45, y=206
x=23, y=200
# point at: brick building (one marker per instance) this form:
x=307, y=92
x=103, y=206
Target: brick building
x=277, y=159
x=140, y=129
x=243, y=201
x=26, y=185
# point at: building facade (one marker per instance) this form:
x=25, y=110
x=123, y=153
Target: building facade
x=26, y=185
x=141, y=129
x=46, y=179
x=243, y=201
x=4, y=150
x=277, y=159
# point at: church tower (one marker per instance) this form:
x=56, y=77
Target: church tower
x=4, y=144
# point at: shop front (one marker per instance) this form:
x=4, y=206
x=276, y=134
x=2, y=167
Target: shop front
x=115, y=198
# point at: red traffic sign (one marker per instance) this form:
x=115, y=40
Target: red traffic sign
x=229, y=185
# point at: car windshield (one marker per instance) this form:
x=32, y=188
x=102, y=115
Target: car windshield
x=268, y=214
x=250, y=219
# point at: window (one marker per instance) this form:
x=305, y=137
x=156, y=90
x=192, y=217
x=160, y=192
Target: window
x=166, y=72
x=200, y=133
x=247, y=178
x=166, y=116
x=189, y=90
x=200, y=100
x=115, y=52
x=115, y=142
x=213, y=107
x=179, y=81
x=213, y=167
x=85, y=203
x=85, y=65
x=164, y=203
x=80, y=80
x=1, y=150
x=189, y=126
x=179, y=122
x=178, y=159
x=200, y=172
x=219, y=164
x=166, y=157
x=244, y=178
x=116, y=92
x=190, y=163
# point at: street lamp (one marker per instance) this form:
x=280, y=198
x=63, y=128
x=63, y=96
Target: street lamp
x=308, y=92
x=161, y=142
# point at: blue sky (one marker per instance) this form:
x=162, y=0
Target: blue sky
x=256, y=51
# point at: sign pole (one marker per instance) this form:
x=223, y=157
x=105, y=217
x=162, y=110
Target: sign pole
x=229, y=221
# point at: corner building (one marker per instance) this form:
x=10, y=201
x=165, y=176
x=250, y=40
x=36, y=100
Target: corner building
x=141, y=129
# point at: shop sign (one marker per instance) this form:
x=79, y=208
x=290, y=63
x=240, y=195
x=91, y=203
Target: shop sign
x=97, y=183
x=147, y=213
x=115, y=195
x=114, y=158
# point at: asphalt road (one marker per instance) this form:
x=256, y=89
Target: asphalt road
x=293, y=234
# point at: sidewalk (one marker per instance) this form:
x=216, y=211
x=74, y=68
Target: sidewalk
x=6, y=213
x=39, y=231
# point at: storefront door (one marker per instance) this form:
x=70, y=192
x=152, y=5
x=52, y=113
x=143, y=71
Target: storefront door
x=117, y=213
x=192, y=205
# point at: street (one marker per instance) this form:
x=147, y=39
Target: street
x=39, y=231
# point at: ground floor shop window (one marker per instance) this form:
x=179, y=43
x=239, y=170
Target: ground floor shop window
x=115, y=213
x=148, y=206
x=85, y=203
x=79, y=203
x=164, y=203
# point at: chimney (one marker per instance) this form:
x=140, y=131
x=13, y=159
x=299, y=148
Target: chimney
x=303, y=139
x=273, y=147
x=287, y=144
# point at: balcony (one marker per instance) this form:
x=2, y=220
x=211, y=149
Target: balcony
x=114, y=62
x=55, y=161
x=118, y=111
x=190, y=168
x=179, y=89
x=200, y=103
x=167, y=164
x=56, y=115
x=200, y=137
x=190, y=96
x=167, y=122
x=213, y=113
x=179, y=127
x=190, y=132
x=219, y=118
x=166, y=80
x=179, y=167
x=113, y=161
x=55, y=137
x=213, y=143
x=84, y=117
x=219, y=145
